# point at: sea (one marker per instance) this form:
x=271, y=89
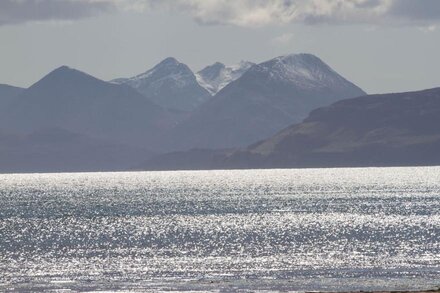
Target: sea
x=299, y=230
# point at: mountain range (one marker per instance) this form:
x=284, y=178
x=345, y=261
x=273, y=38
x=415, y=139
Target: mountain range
x=266, y=98
x=290, y=111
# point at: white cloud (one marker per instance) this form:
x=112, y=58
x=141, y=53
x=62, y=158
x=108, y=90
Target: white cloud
x=249, y=13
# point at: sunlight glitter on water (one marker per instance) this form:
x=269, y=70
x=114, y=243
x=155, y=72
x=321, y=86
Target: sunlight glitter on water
x=312, y=229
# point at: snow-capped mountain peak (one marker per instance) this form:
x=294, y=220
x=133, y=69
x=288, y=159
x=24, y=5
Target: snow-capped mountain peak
x=305, y=70
x=216, y=76
x=170, y=84
x=167, y=69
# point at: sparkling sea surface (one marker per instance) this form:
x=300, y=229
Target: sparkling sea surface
x=221, y=231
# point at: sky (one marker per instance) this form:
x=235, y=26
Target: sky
x=380, y=45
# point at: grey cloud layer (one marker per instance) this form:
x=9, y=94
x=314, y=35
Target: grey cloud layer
x=21, y=11
x=236, y=12
x=424, y=10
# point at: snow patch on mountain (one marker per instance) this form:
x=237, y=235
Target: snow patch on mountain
x=216, y=76
x=169, y=70
x=304, y=70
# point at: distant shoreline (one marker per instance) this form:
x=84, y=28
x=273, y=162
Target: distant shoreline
x=385, y=291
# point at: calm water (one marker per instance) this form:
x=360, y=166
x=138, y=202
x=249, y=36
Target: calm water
x=316, y=229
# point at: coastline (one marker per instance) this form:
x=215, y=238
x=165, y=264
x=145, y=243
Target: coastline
x=380, y=291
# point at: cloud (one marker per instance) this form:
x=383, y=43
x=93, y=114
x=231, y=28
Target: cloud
x=238, y=12
x=247, y=13
x=22, y=11
x=420, y=10
x=253, y=13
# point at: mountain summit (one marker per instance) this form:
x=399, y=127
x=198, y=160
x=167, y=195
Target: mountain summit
x=69, y=99
x=266, y=98
x=306, y=71
x=170, y=84
x=216, y=76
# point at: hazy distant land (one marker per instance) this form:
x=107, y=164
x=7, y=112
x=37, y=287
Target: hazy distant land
x=292, y=111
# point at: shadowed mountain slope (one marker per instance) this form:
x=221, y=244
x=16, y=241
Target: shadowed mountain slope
x=7, y=93
x=389, y=129
x=72, y=100
x=401, y=129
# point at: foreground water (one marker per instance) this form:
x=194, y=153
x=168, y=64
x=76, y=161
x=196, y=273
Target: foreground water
x=316, y=229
